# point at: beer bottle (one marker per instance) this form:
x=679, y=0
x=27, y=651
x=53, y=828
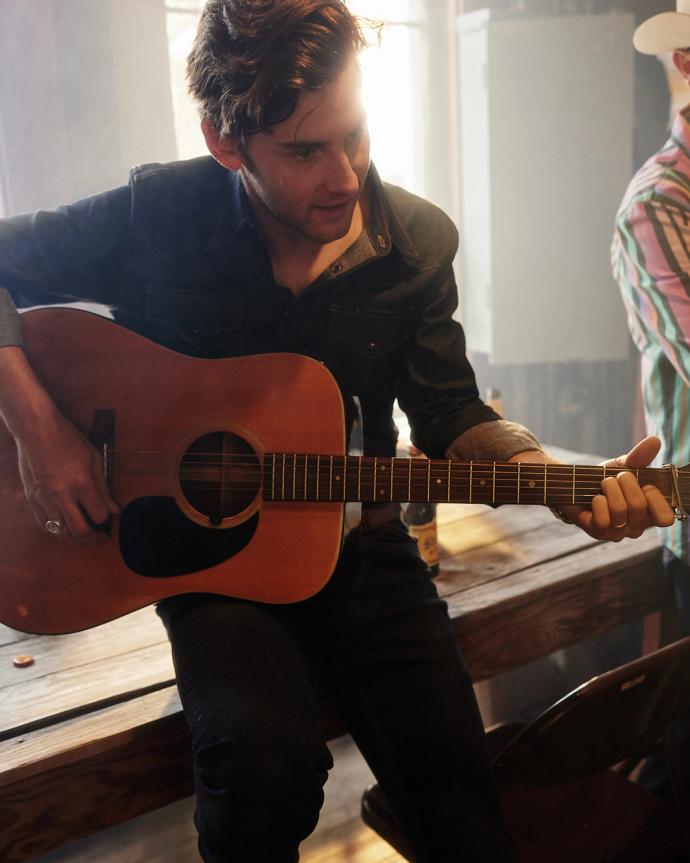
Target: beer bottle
x=420, y=518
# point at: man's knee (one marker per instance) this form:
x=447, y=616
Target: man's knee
x=258, y=774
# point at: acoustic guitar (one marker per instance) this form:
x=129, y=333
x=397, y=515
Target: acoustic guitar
x=231, y=476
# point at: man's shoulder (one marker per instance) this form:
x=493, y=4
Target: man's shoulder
x=664, y=179
x=192, y=185
x=431, y=232
x=187, y=171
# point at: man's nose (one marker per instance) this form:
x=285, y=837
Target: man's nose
x=342, y=178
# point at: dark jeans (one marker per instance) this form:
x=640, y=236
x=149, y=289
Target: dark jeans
x=379, y=640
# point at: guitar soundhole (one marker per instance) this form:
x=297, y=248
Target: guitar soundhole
x=220, y=475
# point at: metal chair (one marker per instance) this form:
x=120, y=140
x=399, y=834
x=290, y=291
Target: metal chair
x=562, y=796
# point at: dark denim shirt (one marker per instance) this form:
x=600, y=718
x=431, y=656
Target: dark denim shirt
x=176, y=257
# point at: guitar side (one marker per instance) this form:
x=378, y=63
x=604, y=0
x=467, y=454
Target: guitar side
x=162, y=402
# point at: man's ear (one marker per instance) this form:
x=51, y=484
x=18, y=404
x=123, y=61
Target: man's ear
x=681, y=60
x=227, y=151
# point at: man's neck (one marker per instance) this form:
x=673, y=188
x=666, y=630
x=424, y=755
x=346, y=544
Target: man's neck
x=296, y=260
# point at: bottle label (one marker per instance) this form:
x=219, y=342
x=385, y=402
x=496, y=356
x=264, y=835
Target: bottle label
x=426, y=537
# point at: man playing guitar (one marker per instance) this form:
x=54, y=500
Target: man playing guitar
x=286, y=240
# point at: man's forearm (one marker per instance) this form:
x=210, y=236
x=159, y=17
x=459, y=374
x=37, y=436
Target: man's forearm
x=10, y=324
x=24, y=404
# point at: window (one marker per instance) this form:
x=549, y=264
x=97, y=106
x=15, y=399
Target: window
x=181, y=21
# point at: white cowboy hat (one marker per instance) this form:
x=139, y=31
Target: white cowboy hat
x=669, y=31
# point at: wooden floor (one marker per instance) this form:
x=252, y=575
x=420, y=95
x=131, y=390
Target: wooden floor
x=168, y=835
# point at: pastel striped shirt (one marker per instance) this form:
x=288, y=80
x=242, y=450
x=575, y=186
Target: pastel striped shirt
x=651, y=262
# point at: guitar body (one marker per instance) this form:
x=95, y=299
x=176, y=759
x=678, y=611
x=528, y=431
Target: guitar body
x=171, y=416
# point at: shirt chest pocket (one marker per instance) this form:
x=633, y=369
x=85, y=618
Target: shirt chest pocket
x=366, y=346
x=192, y=322
x=205, y=324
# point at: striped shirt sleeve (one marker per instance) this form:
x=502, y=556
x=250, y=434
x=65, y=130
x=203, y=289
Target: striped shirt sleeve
x=654, y=274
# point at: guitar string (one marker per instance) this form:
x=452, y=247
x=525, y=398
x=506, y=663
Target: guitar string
x=439, y=468
x=506, y=479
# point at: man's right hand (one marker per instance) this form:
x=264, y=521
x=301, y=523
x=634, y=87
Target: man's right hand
x=61, y=472
x=64, y=483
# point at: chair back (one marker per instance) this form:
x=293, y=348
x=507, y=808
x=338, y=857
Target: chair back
x=615, y=716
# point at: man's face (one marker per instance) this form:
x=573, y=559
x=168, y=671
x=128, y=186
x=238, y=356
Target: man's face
x=304, y=176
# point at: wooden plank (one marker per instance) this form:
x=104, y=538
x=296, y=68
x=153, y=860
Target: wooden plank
x=79, y=738
x=550, y=606
x=137, y=772
x=459, y=534
x=353, y=842
x=508, y=554
x=78, y=689
x=11, y=636
x=53, y=653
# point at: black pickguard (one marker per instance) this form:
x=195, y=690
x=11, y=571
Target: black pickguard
x=157, y=540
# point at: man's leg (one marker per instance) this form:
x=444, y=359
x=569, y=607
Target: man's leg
x=404, y=690
x=260, y=761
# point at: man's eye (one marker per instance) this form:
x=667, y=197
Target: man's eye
x=304, y=153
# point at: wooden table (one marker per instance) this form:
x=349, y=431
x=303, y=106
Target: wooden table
x=92, y=734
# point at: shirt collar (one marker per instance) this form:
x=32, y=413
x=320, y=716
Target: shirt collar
x=383, y=223
x=681, y=130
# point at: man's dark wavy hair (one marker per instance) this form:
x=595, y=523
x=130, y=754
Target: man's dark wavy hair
x=252, y=59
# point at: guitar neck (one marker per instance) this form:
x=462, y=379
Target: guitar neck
x=325, y=478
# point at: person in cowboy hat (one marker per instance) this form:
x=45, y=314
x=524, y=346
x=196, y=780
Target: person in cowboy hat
x=665, y=32
x=651, y=262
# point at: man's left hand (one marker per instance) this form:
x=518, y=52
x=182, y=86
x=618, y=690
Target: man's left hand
x=624, y=508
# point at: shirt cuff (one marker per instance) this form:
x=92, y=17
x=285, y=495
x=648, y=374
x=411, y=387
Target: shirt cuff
x=10, y=324
x=498, y=440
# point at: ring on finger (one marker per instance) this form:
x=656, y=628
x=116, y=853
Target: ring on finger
x=54, y=526
x=619, y=526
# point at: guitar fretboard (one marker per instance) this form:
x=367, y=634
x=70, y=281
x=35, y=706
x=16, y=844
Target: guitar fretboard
x=302, y=477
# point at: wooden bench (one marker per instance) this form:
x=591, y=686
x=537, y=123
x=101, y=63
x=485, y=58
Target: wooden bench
x=92, y=733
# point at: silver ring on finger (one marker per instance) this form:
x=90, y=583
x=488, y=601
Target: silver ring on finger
x=54, y=526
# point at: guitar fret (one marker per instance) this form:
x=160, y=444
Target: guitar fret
x=428, y=479
x=493, y=485
x=471, y=466
x=573, y=483
x=375, y=478
x=448, y=480
x=518, y=483
x=359, y=478
x=409, y=479
x=306, y=471
x=344, y=477
x=318, y=475
x=545, y=475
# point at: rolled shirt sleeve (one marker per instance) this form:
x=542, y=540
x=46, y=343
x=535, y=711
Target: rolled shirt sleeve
x=71, y=254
